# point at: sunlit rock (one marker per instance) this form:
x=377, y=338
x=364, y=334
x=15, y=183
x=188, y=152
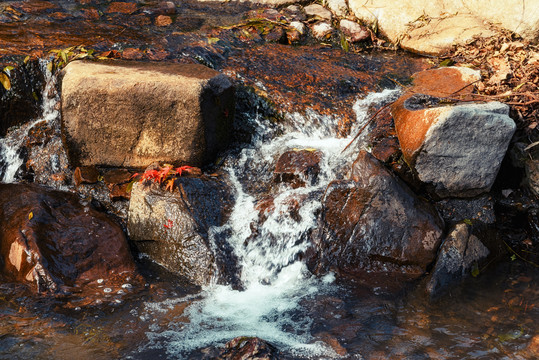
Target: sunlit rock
x=353, y=31
x=375, y=223
x=318, y=11
x=53, y=242
x=433, y=27
x=458, y=258
x=339, y=7
x=172, y=227
x=456, y=149
x=130, y=114
x=322, y=30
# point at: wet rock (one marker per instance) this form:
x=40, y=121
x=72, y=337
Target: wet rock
x=294, y=12
x=48, y=238
x=353, y=31
x=374, y=223
x=297, y=167
x=339, y=7
x=19, y=104
x=35, y=6
x=455, y=149
x=459, y=255
x=533, y=346
x=86, y=175
x=244, y=347
x=122, y=7
x=128, y=114
x=277, y=34
x=386, y=149
x=172, y=227
x=322, y=30
x=318, y=11
x=480, y=209
x=163, y=20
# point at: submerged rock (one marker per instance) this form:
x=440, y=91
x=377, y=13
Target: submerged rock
x=458, y=257
x=48, y=238
x=455, y=149
x=245, y=347
x=374, y=223
x=129, y=114
x=298, y=167
x=172, y=228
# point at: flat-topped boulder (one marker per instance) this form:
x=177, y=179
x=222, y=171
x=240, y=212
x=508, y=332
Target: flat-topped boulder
x=130, y=114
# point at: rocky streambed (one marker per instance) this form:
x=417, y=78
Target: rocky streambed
x=181, y=176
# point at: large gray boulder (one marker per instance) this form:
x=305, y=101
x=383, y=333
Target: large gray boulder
x=463, y=148
x=130, y=114
x=172, y=228
x=459, y=254
x=375, y=223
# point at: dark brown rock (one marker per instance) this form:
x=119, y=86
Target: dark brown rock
x=48, y=238
x=245, y=347
x=86, y=175
x=130, y=114
x=375, y=223
x=117, y=176
x=172, y=227
x=298, y=166
x=119, y=192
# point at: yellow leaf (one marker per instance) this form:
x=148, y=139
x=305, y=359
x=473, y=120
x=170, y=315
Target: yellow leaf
x=63, y=54
x=26, y=59
x=30, y=216
x=5, y=81
x=213, y=40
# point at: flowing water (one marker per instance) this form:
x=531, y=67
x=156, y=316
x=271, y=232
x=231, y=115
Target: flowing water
x=491, y=317
x=11, y=146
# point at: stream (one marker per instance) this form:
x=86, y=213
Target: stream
x=491, y=316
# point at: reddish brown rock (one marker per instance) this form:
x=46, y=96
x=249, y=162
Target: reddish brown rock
x=49, y=239
x=86, y=175
x=122, y=7
x=92, y=14
x=119, y=192
x=411, y=125
x=35, y=6
x=298, y=166
x=386, y=149
x=132, y=54
x=375, y=223
x=163, y=20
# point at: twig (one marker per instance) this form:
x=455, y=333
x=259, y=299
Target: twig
x=364, y=126
x=520, y=257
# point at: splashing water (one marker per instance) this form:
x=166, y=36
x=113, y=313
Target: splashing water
x=11, y=146
x=276, y=283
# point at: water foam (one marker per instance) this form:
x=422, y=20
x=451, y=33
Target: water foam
x=11, y=146
x=277, y=285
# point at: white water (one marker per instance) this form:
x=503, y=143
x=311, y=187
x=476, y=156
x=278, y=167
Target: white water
x=277, y=285
x=10, y=146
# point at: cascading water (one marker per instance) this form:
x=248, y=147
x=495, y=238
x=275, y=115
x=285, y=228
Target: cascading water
x=11, y=146
x=276, y=283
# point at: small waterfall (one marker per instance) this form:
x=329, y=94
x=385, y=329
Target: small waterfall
x=276, y=282
x=11, y=158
